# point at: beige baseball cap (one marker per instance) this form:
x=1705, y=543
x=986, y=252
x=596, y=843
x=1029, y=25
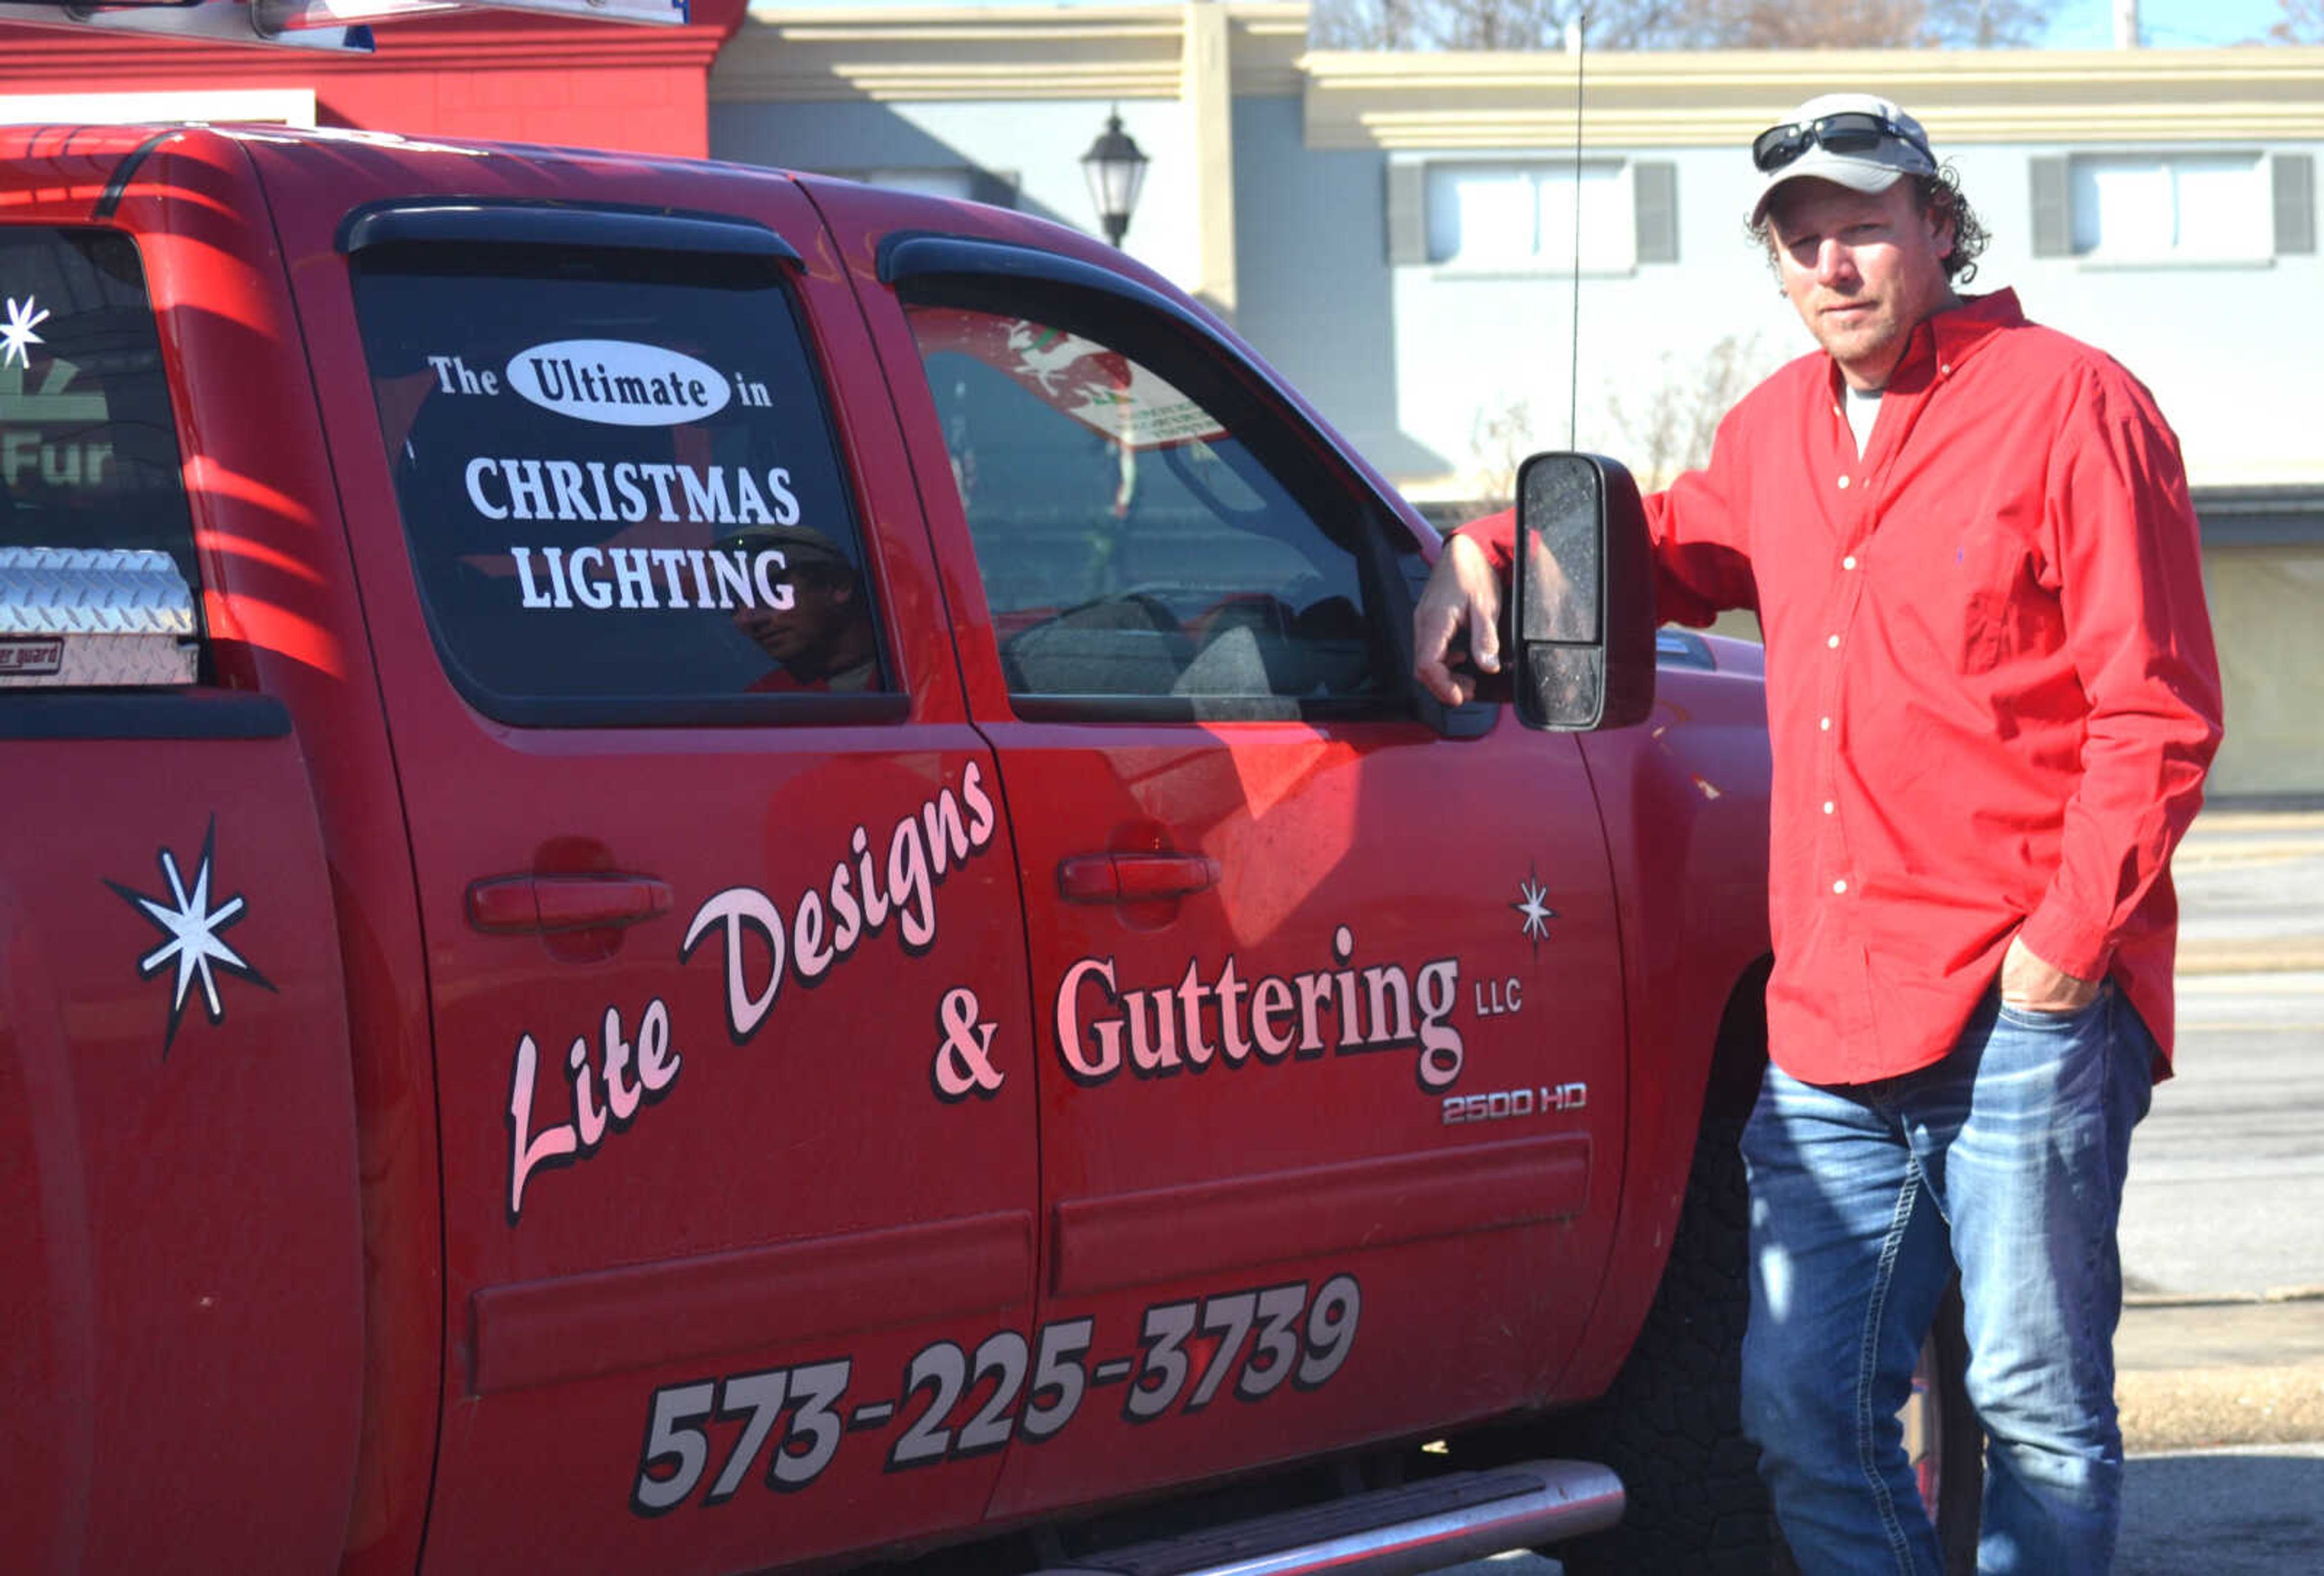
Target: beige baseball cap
x=800, y=543
x=1857, y=140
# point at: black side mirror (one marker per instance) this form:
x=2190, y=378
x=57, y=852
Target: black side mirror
x=1584, y=595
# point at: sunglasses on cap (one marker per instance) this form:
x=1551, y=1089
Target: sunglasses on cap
x=1850, y=131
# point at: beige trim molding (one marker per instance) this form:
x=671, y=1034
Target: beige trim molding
x=1699, y=100
x=1450, y=100
x=1267, y=46
x=1209, y=107
x=926, y=54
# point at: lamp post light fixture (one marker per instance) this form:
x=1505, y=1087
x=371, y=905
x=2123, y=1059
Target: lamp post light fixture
x=1116, y=170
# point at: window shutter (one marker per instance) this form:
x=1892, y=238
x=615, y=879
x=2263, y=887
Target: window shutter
x=2295, y=204
x=2054, y=219
x=1407, y=213
x=1654, y=190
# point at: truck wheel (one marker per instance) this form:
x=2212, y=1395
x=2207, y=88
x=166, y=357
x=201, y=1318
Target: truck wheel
x=1671, y=1425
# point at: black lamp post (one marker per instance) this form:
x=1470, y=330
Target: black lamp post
x=1116, y=170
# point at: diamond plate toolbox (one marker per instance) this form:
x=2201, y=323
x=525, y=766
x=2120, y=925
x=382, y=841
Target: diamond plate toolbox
x=90, y=617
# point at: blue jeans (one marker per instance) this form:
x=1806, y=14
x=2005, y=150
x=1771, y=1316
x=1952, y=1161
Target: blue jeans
x=2006, y=1159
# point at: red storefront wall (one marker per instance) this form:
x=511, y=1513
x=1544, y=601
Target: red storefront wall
x=490, y=75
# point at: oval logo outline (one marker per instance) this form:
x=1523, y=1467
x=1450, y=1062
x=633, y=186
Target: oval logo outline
x=618, y=383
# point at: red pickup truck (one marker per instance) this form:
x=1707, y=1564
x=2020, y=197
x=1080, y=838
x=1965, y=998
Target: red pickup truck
x=711, y=870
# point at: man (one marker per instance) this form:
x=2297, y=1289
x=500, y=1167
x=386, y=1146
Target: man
x=1992, y=695
x=822, y=640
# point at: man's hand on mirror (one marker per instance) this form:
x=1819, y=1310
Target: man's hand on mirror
x=1462, y=598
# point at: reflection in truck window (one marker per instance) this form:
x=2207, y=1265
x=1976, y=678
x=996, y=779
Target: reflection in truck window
x=824, y=639
x=617, y=475
x=1130, y=543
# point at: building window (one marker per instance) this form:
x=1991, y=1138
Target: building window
x=1499, y=216
x=1495, y=216
x=2179, y=208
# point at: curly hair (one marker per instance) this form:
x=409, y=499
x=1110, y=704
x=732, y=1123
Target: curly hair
x=1939, y=197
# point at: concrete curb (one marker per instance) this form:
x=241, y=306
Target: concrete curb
x=2199, y=1408
x=2196, y=1372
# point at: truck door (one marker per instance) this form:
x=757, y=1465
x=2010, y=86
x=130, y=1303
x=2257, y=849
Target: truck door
x=1329, y=1020
x=181, y=1272
x=725, y=959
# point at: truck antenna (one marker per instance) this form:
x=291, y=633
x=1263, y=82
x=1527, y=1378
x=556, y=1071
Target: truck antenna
x=1575, y=39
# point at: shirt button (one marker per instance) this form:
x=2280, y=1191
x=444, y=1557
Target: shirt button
x=1848, y=562
x=1825, y=723
x=1827, y=806
x=1839, y=886
x=1843, y=481
x=1833, y=641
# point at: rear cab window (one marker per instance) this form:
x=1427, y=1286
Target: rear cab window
x=617, y=478
x=97, y=570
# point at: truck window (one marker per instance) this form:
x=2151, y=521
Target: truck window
x=618, y=481
x=1136, y=540
x=96, y=547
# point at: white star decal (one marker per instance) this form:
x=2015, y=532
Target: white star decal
x=1534, y=914
x=17, y=339
x=192, y=927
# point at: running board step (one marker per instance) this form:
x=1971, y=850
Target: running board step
x=1425, y=1526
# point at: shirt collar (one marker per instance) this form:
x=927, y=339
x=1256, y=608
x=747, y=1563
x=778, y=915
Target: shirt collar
x=1942, y=341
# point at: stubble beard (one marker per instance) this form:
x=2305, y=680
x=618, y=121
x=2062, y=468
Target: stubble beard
x=1871, y=340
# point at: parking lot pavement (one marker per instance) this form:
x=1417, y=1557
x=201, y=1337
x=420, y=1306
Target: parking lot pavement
x=2222, y=1338
x=2255, y=1510
x=2247, y=885
x=2247, y=1511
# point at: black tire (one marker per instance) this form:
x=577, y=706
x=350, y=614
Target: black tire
x=1671, y=1426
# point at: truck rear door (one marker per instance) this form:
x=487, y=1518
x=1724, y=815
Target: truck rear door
x=181, y=1277
x=726, y=960
x=1330, y=1024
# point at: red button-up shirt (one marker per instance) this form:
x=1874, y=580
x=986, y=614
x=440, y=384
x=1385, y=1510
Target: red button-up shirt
x=1991, y=688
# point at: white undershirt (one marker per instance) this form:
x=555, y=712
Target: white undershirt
x=1863, y=406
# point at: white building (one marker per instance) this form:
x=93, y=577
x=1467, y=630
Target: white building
x=1397, y=234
